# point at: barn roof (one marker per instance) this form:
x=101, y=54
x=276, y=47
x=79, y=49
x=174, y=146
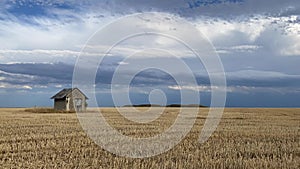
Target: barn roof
x=64, y=92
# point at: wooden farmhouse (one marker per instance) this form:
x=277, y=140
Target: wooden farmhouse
x=70, y=99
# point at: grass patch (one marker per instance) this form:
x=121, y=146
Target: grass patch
x=46, y=110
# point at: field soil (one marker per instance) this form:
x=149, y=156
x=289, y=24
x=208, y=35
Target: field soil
x=245, y=138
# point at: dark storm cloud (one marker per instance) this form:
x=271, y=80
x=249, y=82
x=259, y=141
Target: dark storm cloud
x=195, y=8
x=60, y=73
x=48, y=73
x=186, y=8
x=23, y=79
x=262, y=79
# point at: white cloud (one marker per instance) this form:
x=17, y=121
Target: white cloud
x=27, y=87
x=238, y=89
x=28, y=77
x=37, y=56
x=204, y=88
x=215, y=28
x=293, y=50
x=123, y=63
x=148, y=49
x=293, y=47
x=50, y=38
x=245, y=47
x=40, y=51
x=238, y=49
x=258, y=74
x=58, y=86
x=199, y=88
x=272, y=35
x=42, y=32
x=40, y=56
x=14, y=86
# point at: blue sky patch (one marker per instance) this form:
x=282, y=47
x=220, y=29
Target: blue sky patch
x=199, y=3
x=31, y=8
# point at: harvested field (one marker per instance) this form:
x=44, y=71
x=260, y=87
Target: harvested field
x=245, y=138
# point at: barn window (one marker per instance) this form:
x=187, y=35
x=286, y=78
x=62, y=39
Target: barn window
x=78, y=101
x=78, y=104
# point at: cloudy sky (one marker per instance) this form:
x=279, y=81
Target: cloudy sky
x=257, y=41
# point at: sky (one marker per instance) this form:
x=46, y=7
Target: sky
x=258, y=43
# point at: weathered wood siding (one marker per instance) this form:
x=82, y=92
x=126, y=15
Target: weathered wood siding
x=60, y=104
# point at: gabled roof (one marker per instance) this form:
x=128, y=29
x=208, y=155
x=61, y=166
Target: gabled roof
x=64, y=92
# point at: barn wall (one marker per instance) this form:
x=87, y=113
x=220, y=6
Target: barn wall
x=76, y=94
x=59, y=104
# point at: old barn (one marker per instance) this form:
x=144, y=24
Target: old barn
x=70, y=99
